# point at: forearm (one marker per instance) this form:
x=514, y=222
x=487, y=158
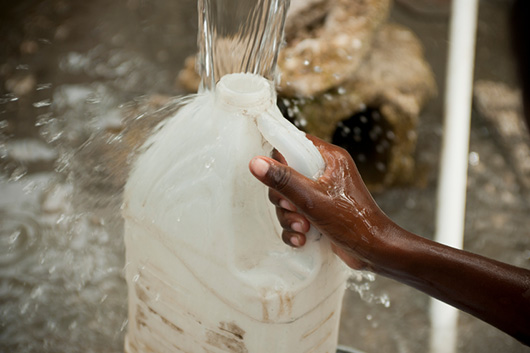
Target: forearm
x=489, y=290
x=340, y=207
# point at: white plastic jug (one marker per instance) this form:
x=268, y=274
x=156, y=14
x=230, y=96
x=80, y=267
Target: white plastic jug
x=206, y=269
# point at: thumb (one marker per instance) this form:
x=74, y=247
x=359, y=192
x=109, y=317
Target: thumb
x=292, y=185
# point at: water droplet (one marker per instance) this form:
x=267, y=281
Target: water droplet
x=136, y=278
x=474, y=159
x=209, y=163
x=103, y=298
x=303, y=122
x=72, y=326
x=42, y=86
x=13, y=237
x=361, y=158
x=24, y=308
x=43, y=103
x=62, y=218
x=380, y=166
x=44, y=119
x=124, y=325
x=37, y=292
x=18, y=173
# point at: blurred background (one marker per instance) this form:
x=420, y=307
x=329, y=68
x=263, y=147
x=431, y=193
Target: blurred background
x=70, y=71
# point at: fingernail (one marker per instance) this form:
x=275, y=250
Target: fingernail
x=295, y=241
x=287, y=205
x=259, y=167
x=297, y=227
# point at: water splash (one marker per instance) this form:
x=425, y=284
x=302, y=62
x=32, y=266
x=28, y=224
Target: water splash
x=360, y=281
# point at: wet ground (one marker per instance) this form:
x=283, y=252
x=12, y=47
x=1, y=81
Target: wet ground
x=66, y=70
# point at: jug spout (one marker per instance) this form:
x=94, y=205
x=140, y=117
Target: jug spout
x=245, y=92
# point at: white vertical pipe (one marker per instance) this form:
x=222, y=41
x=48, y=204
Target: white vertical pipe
x=451, y=208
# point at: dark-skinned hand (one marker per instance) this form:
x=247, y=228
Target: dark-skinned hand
x=339, y=205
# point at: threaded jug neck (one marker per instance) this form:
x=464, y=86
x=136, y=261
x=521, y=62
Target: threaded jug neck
x=245, y=91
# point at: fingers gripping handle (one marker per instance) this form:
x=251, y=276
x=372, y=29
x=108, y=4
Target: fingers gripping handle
x=299, y=152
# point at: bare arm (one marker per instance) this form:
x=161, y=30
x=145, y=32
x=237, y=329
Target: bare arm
x=340, y=207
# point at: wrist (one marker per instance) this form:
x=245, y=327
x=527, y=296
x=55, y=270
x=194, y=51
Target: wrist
x=390, y=247
x=367, y=238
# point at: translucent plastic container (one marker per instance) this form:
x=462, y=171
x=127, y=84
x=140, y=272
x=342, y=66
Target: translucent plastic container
x=206, y=269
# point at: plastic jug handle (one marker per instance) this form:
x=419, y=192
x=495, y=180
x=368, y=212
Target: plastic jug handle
x=299, y=152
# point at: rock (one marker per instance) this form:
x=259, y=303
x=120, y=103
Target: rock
x=394, y=80
x=305, y=14
x=327, y=53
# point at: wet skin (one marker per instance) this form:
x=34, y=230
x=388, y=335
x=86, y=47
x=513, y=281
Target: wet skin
x=340, y=206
